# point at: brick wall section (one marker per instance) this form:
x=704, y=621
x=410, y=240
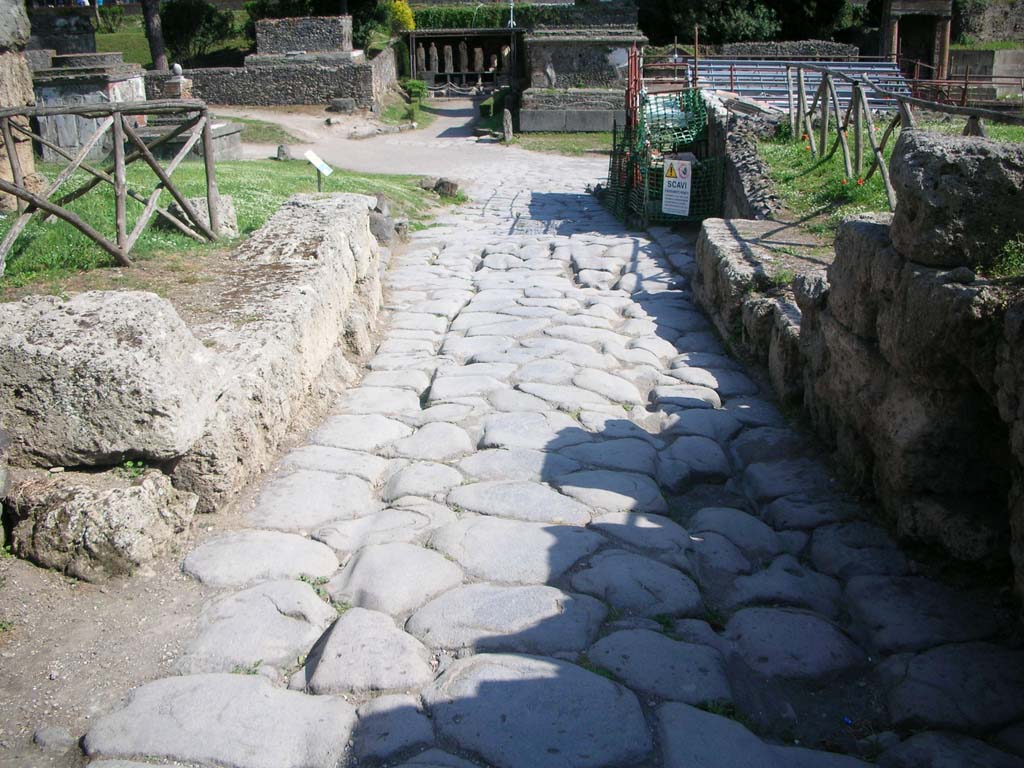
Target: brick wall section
x=258, y=86
x=308, y=33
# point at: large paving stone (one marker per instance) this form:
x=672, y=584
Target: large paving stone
x=638, y=585
x=546, y=371
x=512, y=551
x=946, y=750
x=717, y=425
x=324, y=458
x=518, y=500
x=273, y=623
x=690, y=737
x=380, y=400
x=519, y=711
x=692, y=458
x=654, y=665
x=913, y=613
x=973, y=687
x=564, y=397
x=522, y=619
x=856, y=548
x=438, y=441
x=629, y=454
x=516, y=464
x=612, y=491
x=791, y=644
x=236, y=721
x=422, y=478
x=245, y=557
x=455, y=387
x=755, y=539
x=610, y=386
x=539, y=431
x=766, y=481
x=802, y=512
x=389, y=725
x=393, y=578
x=716, y=555
x=384, y=527
x=651, y=532
x=364, y=651
x=435, y=758
x=798, y=757
x=305, y=499
x=761, y=444
x=786, y=582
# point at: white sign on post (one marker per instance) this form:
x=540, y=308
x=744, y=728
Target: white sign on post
x=319, y=164
x=677, y=185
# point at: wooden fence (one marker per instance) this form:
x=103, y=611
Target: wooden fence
x=114, y=120
x=811, y=119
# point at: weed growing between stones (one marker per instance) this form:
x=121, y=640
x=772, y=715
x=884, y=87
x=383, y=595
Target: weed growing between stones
x=318, y=585
x=1010, y=262
x=131, y=469
x=590, y=666
x=248, y=669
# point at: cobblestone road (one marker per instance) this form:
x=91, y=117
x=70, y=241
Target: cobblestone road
x=555, y=525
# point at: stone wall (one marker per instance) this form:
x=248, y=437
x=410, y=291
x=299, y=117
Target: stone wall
x=913, y=366
x=15, y=90
x=571, y=109
x=995, y=20
x=305, y=33
x=564, y=61
x=66, y=29
x=307, y=83
x=209, y=405
x=1006, y=64
x=748, y=191
x=794, y=49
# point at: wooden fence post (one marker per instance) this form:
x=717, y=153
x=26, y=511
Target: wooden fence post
x=212, y=193
x=793, y=127
x=120, y=184
x=858, y=132
x=823, y=119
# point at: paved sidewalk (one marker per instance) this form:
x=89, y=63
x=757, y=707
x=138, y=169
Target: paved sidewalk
x=555, y=525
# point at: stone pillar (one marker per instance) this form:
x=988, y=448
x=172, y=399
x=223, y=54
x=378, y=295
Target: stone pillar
x=890, y=36
x=16, y=91
x=433, y=58
x=942, y=33
x=478, y=59
x=494, y=62
x=177, y=87
x=421, y=59
x=449, y=65
x=506, y=58
x=463, y=57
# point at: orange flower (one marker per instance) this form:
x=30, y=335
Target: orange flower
x=860, y=182
x=807, y=147
x=845, y=182
x=803, y=137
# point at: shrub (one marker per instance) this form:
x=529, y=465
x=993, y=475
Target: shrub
x=111, y=18
x=401, y=17
x=193, y=27
x=415, y=89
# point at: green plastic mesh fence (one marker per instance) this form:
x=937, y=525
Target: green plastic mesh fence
x=668, y=123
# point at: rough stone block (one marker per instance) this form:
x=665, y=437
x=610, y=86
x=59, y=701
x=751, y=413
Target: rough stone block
x=542, y=120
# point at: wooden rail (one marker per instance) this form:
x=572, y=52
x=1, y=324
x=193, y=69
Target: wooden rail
x=113, y=121
x=859, y=117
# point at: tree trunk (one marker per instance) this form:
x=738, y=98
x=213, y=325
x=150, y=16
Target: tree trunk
x=154, y=33
x=344, y=7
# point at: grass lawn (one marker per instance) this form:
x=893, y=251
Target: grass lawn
x=992, y=45
x=47, y=253
x=566, y=143
x=131, y=41
x=399, y=112
x=262, y=132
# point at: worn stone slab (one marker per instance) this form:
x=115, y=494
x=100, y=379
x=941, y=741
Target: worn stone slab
x=236, y=721
x=519, y=711
x=614, y=491
x=435, y=758
x=244, y=557
x=755, y=539
x=546, y=371
x=946, y=750
x=364, y=651
x=766, y=481
x=380, y=400
x=690, y=737
x=727, y=383
x=692, y=458
x=437, y=441
x=455, y=387
x=422, y=478
x=516, y=464
x=629, y=454
x=857, y=548
x=682, y=396
x=651, y=532
x=715, y=554
x=273, y=623
x=366, y=466
x=790, y=644
x=609, y=386
x=798, y=757
x=359, y=433
x=522, y=619
x=389, y=725
x=537, y=431
x=720, y=426
x=512, y=551
x=416, y=381
x=638, y=585
x=786, y=582
x=971, y=687
x=801, y=512
x=384, y=527
x=654, y=665
x=304, y=499
x=393, y=578
x=761, y=444
x=915, y=613
x=519, y=500
x=565, y=397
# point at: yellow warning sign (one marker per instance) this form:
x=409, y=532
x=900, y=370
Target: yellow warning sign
x=671, y=172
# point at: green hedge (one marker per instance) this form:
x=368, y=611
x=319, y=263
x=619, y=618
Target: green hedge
x=487, y=16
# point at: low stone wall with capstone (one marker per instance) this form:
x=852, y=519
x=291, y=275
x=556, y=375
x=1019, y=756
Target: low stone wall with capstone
x=905, y=359
x=104, y=377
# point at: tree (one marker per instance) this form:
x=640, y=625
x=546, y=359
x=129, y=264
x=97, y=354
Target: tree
x=720, y=21
x=193, y=27
x=154, y=33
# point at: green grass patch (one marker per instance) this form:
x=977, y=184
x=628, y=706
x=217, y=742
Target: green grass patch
x=1010, y=262
x=131, y=41
x=989, y=45
x=400, y=112
x=54, y=250
x=574, y=144
x=261, y=132
x=996, y=131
